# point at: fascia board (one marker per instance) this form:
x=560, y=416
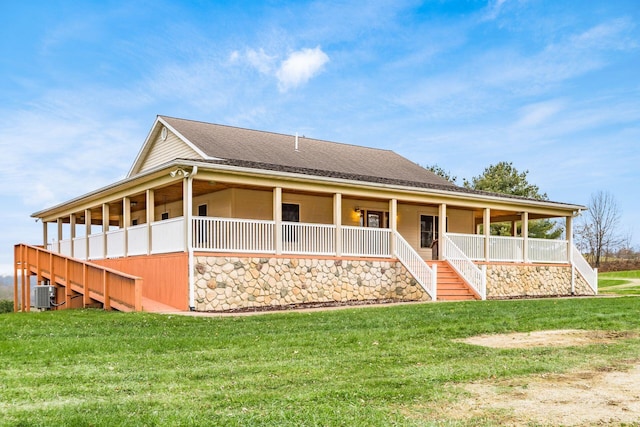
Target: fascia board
x=451, y=195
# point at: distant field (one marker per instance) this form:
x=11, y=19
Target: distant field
x=398, y=365
x=619, y=282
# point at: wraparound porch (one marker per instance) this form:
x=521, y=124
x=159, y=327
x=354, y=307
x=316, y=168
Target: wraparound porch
x=468, y=254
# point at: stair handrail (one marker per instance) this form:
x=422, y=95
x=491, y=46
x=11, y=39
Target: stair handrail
x=28, y=257
x=590, y=275
x=415, y=265
x=475, y=277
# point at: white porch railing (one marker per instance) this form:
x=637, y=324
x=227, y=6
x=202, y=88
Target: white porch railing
x=65, y=247
x=233, y=235
x=115, y=243
x=476, y=277
x=300, y=238
x=138, y=240
x=414, y=263
x=168, y=236
x=364, y=241
x=96, y=246
x=509, y=249
x=80, y=247
x=472, y=245
x=548, y=250
x=589, y=274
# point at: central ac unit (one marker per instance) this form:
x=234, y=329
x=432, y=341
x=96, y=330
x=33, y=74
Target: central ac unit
x=44, y=296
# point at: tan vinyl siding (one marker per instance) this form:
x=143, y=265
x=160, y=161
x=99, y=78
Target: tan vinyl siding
x=167, y=150
x=252, y=204
x=218, y=203
x=313, y=209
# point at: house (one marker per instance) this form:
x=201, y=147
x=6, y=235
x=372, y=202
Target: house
x=213, y=217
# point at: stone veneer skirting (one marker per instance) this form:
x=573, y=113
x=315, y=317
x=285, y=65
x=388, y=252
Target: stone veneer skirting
x=236, y=282
x=531, y=280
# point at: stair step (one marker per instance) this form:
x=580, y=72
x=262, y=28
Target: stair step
x=450, y=286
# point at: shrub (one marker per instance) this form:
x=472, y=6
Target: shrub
x=6, y=306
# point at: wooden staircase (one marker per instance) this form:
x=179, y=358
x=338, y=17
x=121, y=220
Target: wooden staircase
x=451, y=287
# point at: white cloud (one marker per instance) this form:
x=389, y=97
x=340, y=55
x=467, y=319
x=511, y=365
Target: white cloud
x=493, y=10
x=300, y=67
x=539, y=112
x=260, y=60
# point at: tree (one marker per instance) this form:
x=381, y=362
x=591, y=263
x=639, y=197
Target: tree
x=503, y=178
x=598, y=231
x=442, y=173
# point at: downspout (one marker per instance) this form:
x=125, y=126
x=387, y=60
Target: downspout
x=191, y=265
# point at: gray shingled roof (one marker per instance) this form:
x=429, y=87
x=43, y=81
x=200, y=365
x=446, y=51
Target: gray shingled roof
x=327, y=158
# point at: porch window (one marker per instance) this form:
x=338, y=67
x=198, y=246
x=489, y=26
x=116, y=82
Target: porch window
x=202, y=210
x=164, y=215
x=374, y=219
x=290, y=213
x=428, y=230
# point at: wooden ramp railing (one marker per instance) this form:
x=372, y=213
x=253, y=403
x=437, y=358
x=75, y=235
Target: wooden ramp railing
x=112, y=288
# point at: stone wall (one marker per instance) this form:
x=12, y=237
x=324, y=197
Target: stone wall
x=530, y=280
x=228, y=282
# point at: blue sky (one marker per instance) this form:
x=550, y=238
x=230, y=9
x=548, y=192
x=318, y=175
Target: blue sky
x=552, y=86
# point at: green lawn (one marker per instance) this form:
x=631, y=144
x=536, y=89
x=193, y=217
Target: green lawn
x=357, y=367
x=619, y=282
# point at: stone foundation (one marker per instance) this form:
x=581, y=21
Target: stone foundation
x=518, y=280
x=228, y=282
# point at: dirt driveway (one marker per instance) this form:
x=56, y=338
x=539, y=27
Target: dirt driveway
x=580, y=398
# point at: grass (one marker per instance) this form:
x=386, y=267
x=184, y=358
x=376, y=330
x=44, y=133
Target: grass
x=357, y=367
x=619, y=282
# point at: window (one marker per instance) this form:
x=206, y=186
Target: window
x=290, y=212
x=134, y=222
x=373, y=219
x=428, y=230
x=202, y=210
x=164, y=215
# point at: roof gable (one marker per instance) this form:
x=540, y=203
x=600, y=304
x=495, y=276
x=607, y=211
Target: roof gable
x=245, y=145
x=162, y=145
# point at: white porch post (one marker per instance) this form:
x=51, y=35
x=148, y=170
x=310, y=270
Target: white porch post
x=187, y=209
x=150, y=217
x=525, y=236
x=87, y=225
x=393, y=223
x=59, y=222
x=45, y=236
x=486, y=224
x=126, y=222
x=569, y=235
x=442, y=229
x=105, y=227
x=72, y=225
x=337, y=221
x=277, y=218
x=189, y=234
